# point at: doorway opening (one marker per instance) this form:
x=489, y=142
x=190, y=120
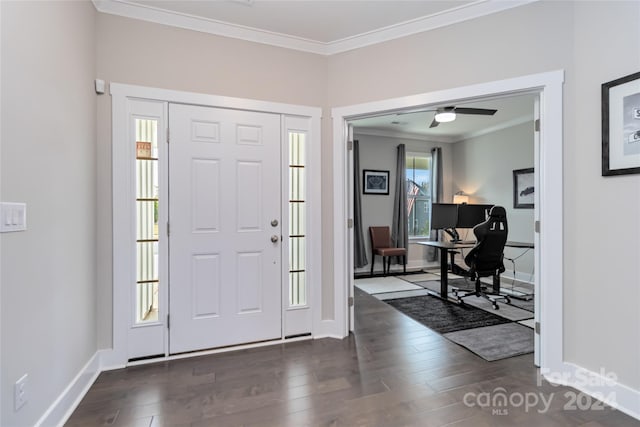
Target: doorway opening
x=548, y=213
x=462, y=167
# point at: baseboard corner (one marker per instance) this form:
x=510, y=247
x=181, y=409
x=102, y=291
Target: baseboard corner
x=601, y=386
x=62, y=408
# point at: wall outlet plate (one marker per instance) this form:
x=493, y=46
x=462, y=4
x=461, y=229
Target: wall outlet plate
x=13, y=217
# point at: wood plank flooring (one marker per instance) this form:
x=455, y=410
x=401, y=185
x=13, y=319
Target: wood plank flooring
x=391, y=372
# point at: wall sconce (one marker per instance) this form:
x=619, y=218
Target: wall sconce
x=460, y=198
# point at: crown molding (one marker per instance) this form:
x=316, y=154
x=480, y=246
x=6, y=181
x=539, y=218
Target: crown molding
x=404, y=135
x=491, y=129
x=425, y=23
x=445, y=139
x=190, y=22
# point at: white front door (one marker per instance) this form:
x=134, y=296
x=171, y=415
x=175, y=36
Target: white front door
x=225, y=238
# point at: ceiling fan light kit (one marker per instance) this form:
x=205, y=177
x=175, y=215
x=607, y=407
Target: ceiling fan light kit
x=448, y=114
x=445, y=116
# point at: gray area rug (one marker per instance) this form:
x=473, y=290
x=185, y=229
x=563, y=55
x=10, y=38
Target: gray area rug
x=495, y=342
x=442, y=316
x=524, y=305
x=515, y=310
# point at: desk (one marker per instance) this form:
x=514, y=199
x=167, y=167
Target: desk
x=445, y=247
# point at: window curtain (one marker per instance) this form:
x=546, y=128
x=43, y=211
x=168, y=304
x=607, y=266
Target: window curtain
x=399, y=229
x=359, y=252
x=436, y=195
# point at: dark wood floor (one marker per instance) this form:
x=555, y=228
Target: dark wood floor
x=391, y=372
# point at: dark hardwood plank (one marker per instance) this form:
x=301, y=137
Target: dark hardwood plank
x=392, y=371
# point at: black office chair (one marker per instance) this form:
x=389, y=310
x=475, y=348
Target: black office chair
x=485, y=259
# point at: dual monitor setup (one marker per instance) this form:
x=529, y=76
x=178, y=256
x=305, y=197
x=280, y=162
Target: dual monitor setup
x=449, y=216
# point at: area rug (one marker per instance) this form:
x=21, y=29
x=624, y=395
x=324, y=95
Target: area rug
x=516, y=310
x=378, y=285
x=495, y=342
x=442, y=316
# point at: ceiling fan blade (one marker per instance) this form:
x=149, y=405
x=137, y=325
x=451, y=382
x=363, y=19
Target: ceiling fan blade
x=400, y=113
x=479, y=111
x=434, y=123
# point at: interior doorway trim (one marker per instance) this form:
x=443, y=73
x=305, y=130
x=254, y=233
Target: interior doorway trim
x=121, y=181
x=549, y=85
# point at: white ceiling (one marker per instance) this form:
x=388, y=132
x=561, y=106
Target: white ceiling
x=319, y=26
x=512, y=110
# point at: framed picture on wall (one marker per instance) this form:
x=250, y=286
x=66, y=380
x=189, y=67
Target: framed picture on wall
x=523, y=188
x=621, y=126
x=375, y=182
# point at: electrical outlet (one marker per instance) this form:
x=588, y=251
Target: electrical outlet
x=20, y=395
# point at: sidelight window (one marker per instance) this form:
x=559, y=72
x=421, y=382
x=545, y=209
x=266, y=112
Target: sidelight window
x=147, y=199
x=297, y=220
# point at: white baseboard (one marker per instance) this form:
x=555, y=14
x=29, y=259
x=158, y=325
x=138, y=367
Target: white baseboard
x=603, y=386
x=62, y=408
x=520, y=276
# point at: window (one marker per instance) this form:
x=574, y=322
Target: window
x=297, y=223
x=419, y=194
x=147, y=220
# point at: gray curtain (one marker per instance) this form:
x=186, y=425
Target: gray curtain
x=399, y=229
x=359, y=252
x=436, y=195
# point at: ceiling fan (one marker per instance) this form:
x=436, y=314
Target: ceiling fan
x=448, y=114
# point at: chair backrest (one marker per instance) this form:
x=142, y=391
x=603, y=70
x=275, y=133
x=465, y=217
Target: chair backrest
x=486, y=257
x=380, y=237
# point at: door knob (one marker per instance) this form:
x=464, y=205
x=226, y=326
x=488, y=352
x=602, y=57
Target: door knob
x=274, y=223
x=274, y=238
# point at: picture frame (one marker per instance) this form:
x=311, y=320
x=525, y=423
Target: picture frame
x=523, y=188
x=621, y=126
x=375, y=182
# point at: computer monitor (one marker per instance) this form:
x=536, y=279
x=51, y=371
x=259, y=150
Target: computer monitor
x=471, y=215
x=443, y=216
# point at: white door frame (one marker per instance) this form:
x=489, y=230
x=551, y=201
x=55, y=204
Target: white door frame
x=550, y=170
x=122, y=184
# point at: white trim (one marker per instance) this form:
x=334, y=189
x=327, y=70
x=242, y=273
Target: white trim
x=425, y=23
x=437, y=139
x=550, y=274
x=206, y=25
x=504, y=125
x=176, y=96
x=611, y=392
x=443, y=139
x=521, y=276
x=301, y=319
x=122, y=233
x=61, y=409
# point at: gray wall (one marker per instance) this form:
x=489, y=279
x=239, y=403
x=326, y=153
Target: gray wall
x=380, y=153
x=483, y=168
x=48, y=281
x=594, y=42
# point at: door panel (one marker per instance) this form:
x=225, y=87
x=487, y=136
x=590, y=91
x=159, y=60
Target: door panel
x=225, y=270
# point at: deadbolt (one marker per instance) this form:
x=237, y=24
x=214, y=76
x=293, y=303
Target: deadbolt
x=274, y=223
x=274, y=238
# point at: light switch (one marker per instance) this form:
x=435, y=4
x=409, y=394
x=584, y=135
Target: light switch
x=14, y=217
